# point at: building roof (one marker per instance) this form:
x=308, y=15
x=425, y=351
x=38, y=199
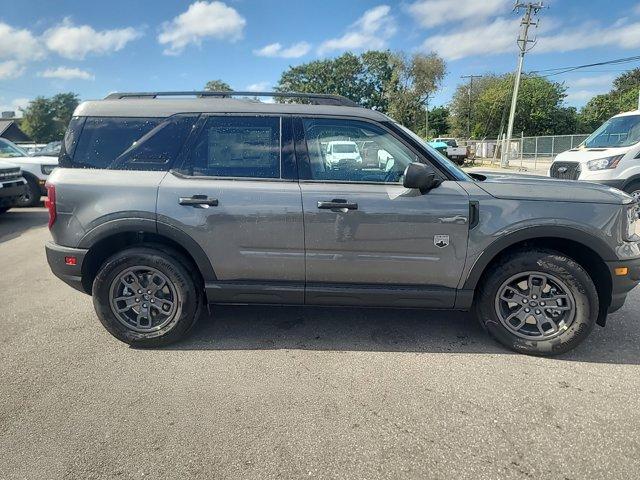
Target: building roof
x=10, y=130
x=164, y=107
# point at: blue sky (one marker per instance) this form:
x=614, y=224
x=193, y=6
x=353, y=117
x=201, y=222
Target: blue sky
x=93, y=48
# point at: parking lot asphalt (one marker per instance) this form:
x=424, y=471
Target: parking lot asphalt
x=275, y=392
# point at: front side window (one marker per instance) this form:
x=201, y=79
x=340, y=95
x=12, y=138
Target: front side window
x=354, y=151
x=240, y=146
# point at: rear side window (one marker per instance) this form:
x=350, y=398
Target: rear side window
x=238, y=147
x=128, y=143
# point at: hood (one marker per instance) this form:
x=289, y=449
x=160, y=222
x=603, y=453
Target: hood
x=534, y=187
x=4, y=165
x=37, y=160
x=582, y=154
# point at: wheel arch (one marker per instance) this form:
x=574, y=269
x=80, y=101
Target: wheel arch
x=589, y=251
x=116, y=235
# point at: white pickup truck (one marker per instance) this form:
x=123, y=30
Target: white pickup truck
x=454, y=152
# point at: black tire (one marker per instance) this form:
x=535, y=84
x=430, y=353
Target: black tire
x=4, y=210
x=547, y=262
x=633, y=188
x=169, y=263
x=31, y=198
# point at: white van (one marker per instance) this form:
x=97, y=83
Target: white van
x=610, y=155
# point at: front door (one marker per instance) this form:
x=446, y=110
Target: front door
x=235, y=196
x=368, y=239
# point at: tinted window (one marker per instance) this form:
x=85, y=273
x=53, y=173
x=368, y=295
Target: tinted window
x=238, y=147
x=157, y=149
x=354, y=151
x=104, y=139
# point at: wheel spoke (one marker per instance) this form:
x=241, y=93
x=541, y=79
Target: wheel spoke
x=516, y=295
x=537, y=284
x=542, y=321
x=131, y=280
x=129, y=302
x=155, y=285
x=159, y=303
x=520, y=315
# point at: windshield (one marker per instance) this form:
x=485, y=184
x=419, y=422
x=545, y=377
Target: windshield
x=344, y=148
x=616, y=132
x=10, y=150
x=447, y=164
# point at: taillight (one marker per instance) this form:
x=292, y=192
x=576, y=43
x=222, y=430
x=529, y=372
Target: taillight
x=50, y=203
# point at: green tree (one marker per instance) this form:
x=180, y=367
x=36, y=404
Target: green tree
x=46, y=119
x=218, y=86
x=623, y=97
x=381, y=80
x=540, y=109
x=439, y=122
x=39, y=121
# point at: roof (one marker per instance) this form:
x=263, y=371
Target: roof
x=10, y=130
x=626, y=114
x=164, y=107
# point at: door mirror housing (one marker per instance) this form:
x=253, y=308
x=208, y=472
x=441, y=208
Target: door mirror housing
x=418, y=175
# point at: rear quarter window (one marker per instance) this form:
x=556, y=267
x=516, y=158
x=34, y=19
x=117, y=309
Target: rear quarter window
x=120, y=143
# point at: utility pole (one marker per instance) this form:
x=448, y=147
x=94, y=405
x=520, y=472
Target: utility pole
x=470, y=77
x=530, y=10
x=426, y=118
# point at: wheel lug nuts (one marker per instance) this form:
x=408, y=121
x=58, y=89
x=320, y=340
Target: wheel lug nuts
x=538, y=312
x=148, y=292
x=527, y=310
x=542, y=303
x=137, y=299
x=152, y=300
x=534, y=297
x=144, y=305
x=525, y=301
x=139, y=291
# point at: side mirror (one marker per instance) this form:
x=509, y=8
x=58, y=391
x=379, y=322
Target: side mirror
x=418, y=175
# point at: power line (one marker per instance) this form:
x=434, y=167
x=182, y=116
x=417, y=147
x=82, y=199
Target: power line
x=470, y=77
x=561, y=70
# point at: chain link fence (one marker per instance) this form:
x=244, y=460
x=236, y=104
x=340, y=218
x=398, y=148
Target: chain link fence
x=532, y=154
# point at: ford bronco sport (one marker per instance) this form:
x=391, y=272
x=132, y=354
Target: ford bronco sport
x=164, y=203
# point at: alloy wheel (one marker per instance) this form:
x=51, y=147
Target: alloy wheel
x=535, y=305
x=143, y=299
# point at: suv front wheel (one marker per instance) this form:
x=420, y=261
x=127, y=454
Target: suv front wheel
x=146, y=297
x=538, y=302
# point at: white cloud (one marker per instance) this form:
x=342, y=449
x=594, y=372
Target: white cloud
x=259, y=87
x=19, y=45
x=371, y=31
x=11, y=69
x=14, y=106
x=591, y=36
x=201, y=20
x=277, y=50
x=76, y=42
x=594, y=81
x=498, y=36
x=66, y=73
x=431, y=13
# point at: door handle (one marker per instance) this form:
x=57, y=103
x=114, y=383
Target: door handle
x=201, y=201
x=337, y=204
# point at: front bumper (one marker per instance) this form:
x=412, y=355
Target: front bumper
x=70, y=274
x=11, y=191
x=622, y=284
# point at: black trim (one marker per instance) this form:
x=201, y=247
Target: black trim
x=531, y=233
x=621, y=285
x=474, y=213
x=249, y=292
x=70, y=274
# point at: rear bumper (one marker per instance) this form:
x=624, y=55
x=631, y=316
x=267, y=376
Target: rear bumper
x=622, y=284
x=70, y=274
x=11, y=191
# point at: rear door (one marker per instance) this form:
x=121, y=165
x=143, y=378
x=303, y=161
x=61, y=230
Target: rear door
x=236, y=195
x=369, y=240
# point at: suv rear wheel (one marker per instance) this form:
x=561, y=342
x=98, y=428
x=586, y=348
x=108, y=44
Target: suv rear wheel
x=538, y=302
x=146, y=297
x=31, y=196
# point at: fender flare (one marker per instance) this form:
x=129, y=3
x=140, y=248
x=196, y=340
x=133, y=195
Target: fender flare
x=599, y=246
x=149, y=225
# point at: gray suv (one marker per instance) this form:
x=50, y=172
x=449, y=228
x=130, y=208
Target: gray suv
x=165, y=202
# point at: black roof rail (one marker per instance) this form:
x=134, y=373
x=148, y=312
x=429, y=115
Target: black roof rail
x=316, y=98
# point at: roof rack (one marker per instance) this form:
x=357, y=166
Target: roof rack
x=316, y=98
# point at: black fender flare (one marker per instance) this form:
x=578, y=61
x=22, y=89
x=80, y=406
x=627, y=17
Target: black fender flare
x=599, y=246
x=630, y=180
x=150, y=225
